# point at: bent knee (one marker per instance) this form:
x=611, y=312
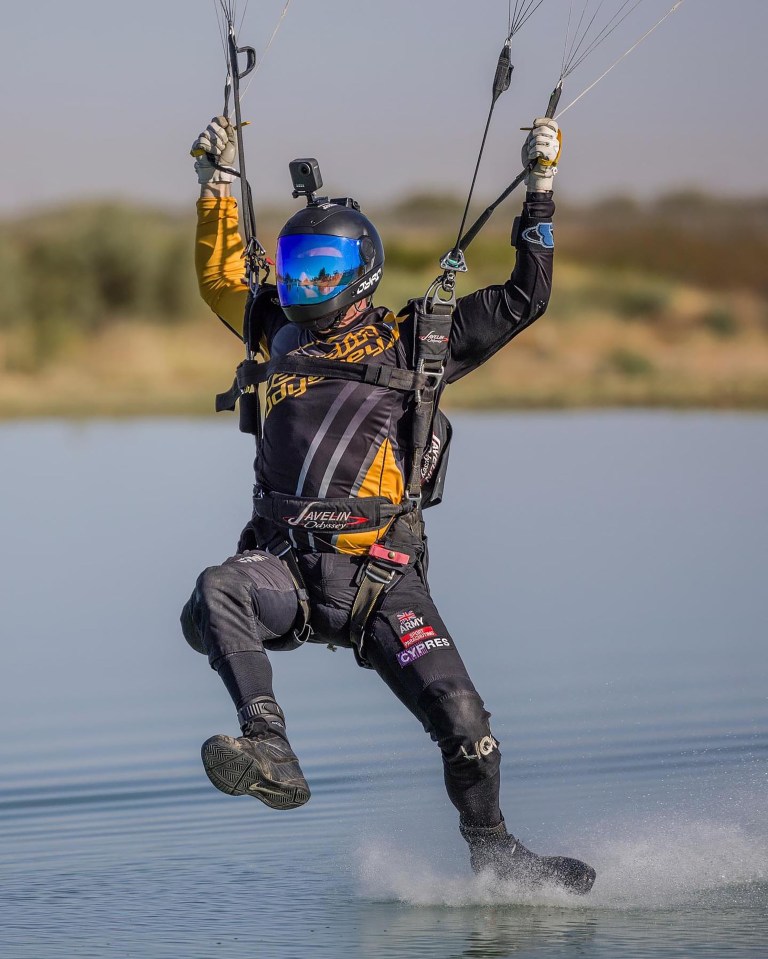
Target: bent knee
x=217, y=589
x=221, y=584
x=459, y=723
x=189, y=627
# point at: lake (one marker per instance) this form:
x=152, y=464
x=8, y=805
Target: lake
x=604, y=576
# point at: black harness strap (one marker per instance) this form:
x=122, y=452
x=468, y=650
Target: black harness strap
x=433, y=321
x=405, y=381
x=433, y=332
x=373, y=583
x=376, y=575
x=251, y=374
x=303, y=629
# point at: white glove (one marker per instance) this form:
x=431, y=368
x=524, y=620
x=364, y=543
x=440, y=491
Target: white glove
x=543, y=144
x=215, y=147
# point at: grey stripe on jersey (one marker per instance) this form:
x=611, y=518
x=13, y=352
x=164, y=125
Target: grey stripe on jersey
x=361, y=413
x=320, y=435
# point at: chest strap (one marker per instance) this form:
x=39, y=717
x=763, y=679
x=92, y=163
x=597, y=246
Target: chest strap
x=251, y=373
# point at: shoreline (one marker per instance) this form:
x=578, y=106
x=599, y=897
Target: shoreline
x=201, y=408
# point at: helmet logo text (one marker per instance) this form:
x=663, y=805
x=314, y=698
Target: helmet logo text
x=367, y=284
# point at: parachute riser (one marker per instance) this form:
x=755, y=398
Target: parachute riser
x=233, y=84
x=458, y=252
x=254, y=254
x=234, y=75
x=504, y=68
x=444, y=287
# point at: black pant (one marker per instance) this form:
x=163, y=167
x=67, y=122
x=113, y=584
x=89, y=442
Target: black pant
x=249, y=604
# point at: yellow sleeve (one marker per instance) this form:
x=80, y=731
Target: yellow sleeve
x=218, y=259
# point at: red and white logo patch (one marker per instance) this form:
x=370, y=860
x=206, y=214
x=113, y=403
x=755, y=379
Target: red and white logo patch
x=417, y=636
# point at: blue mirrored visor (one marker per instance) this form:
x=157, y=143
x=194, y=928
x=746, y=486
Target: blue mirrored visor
x=312, y=268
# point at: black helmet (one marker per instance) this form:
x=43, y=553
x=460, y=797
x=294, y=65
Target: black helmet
x=329, y=256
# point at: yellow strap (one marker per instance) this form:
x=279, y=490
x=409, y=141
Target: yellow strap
x=549, y=163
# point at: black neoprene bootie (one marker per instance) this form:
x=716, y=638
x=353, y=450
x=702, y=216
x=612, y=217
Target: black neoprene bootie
x=260, y=763
x=495, y=850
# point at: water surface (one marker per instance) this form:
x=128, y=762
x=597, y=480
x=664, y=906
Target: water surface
x=604, y=577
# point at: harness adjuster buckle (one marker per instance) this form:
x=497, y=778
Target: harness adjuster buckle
x=433, y=377
x=379, y=574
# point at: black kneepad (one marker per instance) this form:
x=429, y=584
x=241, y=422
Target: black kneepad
x=189, y=628
x=459, y=723
x=218, y=588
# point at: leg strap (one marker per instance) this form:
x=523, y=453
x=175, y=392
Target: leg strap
x=284, y=551
x=377, y=574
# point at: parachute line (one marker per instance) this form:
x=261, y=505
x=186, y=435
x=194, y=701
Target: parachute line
x=626, y=53
x=567, y=38
x=220, y=26
x=242, y=19
x=579, y=55
x=226, y=16
x=524, y=10
x=266, y=49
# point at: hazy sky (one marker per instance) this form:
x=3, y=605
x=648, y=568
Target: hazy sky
x=104, y=98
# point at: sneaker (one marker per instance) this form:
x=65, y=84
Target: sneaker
x=494, y=850
x=259, y=763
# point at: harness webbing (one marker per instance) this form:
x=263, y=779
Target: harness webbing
x=403, y=540
x=433, y=333
x=251, y=373
x=375, y=579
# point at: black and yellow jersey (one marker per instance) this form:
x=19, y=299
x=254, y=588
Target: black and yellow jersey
x=330, y=438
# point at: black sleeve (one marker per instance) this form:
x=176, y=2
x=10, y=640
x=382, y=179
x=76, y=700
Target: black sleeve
x=485, y=321
x=264, y=318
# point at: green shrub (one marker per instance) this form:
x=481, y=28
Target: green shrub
x=629, y=363
x=637, y=303
x=71, y=271
x=11, y=274
x=721, y=322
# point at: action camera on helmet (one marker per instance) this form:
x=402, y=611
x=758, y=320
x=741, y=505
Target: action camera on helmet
x=306, y=177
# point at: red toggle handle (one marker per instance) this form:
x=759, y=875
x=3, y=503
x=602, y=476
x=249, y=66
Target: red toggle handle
x=381, y=552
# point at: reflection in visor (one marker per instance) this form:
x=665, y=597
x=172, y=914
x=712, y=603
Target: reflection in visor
x=313, y=268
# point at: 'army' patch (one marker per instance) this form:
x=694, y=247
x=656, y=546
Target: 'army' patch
x=411, y=627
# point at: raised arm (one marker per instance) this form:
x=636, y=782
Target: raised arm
x=488, y=319
x=218, y=245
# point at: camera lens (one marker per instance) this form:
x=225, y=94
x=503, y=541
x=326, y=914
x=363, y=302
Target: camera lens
x=305, y=169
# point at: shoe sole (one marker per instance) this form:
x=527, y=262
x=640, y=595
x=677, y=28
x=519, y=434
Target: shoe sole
x=235, y=773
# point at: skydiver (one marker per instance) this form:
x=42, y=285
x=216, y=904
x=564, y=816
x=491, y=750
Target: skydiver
x=328, y=449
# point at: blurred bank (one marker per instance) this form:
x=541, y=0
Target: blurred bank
x=661, y=303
